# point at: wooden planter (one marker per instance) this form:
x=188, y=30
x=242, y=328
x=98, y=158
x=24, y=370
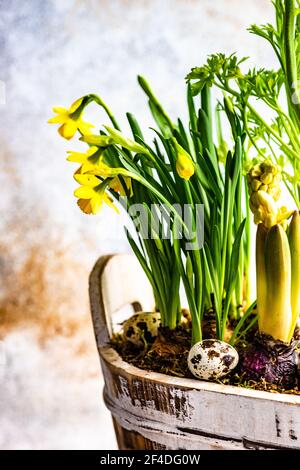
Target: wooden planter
x=156, y=411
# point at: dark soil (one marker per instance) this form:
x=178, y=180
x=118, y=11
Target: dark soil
x=168, y=355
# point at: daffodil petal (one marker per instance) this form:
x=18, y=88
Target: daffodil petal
x=84, y=192
x=91, y=150
x=76, y=157
x=87, y=167
x=60, y=110
x=60, y=119
x=68, y=129
x=80, y=157
x=109, y=201
x=87, y=180
x=84, y=127
x=75, y=105
x=96, y=203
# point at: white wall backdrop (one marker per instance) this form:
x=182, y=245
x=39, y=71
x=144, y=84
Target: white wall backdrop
x=52, y=52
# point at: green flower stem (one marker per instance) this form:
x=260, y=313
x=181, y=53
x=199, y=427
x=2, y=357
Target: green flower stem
x=290, y=58
x=271, y=131
x=247, y=241
x=101, y=103
x=294, y=133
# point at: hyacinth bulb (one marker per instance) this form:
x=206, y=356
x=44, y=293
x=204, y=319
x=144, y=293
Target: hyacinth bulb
x=272, y=361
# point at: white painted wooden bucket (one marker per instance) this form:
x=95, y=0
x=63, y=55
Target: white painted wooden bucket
x=156, y=411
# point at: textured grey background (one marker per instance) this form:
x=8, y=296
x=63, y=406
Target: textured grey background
x=52, y=52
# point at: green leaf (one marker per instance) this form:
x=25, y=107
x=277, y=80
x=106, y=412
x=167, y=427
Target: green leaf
x=241, y=323
x=140, y=257
x=189, y=269
x=234, y=260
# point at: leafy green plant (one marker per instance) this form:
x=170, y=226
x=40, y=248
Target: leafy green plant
x=214, y=275
x=181, y=168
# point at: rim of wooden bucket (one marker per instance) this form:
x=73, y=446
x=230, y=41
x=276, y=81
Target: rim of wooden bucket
x=114, y=361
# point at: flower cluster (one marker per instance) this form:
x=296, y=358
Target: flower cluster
x=101, y=168
x=264, y=190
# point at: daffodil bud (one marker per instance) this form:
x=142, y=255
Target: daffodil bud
x=184, y=164
x=98, y=140
x=120, y=139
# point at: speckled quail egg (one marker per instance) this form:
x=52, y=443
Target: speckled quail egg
x=141, y=328
x=212, y=359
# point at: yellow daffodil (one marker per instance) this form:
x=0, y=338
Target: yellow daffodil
x=88, y=160
x=92, y=194
x=92, y=163
x=70, y=120
x=184, y=164
x=115, y=183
